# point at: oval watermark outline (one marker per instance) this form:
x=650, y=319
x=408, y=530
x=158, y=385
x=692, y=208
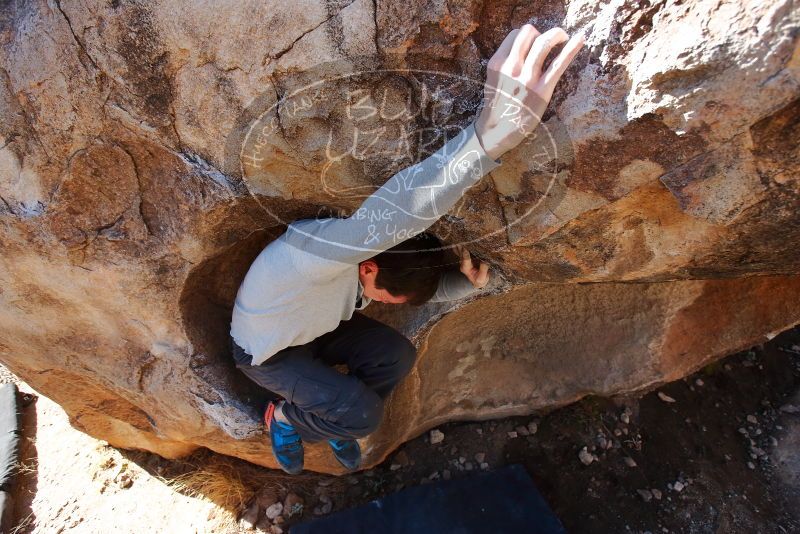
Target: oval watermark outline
x=255, y=119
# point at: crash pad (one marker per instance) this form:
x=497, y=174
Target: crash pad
x=504, y=501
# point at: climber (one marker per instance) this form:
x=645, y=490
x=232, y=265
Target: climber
x=295, y=314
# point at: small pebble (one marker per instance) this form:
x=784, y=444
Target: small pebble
x=630, y=462
x=678, y=486
x=664, y=397
x=292, y=505
x=645, y=494
x=512, y=434
x=585, y=456
x=250, y=516
x=480, y=457
x=484, y=465
x=274, y=510
x=125, y=481
x=325, y=507
x=656, y=493
x=522, y=431
x=266, y=498
x=752, y=419
x=533, y=428
x=751, y=465
x=700, y=382
x=436, y=436
x=461, y=459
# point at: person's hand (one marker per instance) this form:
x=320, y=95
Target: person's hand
x=479, y=276
x=517, y=92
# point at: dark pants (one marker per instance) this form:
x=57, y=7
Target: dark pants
x=321, y=402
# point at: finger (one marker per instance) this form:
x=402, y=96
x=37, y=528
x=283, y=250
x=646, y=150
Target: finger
x=563, y=60
x=512, y=66
x=483, y=274
x=499, y=57
x=532, y=70
x=457, y=251
x=466, y=259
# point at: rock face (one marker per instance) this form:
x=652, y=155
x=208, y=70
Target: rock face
x=652, y=227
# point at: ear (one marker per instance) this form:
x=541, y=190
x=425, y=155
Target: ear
x=368, y=267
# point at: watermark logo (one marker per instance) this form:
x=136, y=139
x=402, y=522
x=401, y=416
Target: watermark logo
x=384, y=153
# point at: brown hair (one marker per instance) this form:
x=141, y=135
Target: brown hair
x=411, y=268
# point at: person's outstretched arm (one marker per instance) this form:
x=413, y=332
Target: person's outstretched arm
x=517, y=91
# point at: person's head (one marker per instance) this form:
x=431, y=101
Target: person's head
x=408, y=272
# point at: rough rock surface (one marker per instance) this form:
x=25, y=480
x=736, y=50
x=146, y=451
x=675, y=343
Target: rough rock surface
x=671, y=176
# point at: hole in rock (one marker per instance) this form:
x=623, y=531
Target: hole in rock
x=206, y=306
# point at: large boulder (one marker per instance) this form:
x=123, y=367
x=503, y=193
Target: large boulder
x=651, y=227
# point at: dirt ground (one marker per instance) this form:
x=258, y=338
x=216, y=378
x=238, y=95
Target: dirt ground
x=715, y=452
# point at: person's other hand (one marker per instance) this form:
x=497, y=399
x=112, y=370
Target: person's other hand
x=478, y=276
x=517, y=92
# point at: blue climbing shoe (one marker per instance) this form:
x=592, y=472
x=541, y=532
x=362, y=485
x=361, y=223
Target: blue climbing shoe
x=347, y=452
x=286, y=443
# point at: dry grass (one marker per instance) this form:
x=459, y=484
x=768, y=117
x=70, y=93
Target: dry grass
x=216, y=481
x=231, y=483
x=27, y=468
x=23, y=525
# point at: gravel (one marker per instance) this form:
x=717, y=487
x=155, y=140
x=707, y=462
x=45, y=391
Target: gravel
x=585, y=456
x=437, y=436
x=664, y=397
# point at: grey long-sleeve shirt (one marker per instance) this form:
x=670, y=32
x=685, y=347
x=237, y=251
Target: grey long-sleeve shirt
x=306, y=281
